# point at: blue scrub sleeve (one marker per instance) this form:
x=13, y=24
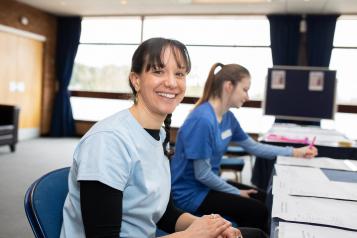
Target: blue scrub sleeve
x=263, y=150
x=203, y=173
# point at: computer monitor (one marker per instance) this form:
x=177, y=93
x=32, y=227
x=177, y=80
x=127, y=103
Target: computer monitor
x=300, y=93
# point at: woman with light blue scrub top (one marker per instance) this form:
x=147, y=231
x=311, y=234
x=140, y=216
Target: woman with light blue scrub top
x=202, y=141
x=119, y=182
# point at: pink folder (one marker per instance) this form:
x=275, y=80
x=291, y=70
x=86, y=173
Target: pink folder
x=278, y=138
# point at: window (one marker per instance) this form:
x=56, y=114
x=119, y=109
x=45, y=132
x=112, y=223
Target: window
x=210, y=30
x=343, y=58
x=104, y=55
x=256, y=60
x=224, y=39
x=102, y=68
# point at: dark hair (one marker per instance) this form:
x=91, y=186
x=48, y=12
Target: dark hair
x=214, y=83
x=168, y=150
x=149, y=55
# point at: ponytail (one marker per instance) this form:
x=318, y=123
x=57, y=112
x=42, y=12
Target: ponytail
x=209, y=89
x=214, y=83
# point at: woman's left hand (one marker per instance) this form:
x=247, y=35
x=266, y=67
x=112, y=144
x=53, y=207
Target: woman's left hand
x=231, y=232
x=246, y=193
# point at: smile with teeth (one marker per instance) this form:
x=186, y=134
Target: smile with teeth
x=167, y=95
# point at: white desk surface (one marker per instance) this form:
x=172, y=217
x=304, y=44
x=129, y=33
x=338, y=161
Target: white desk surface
x=292, y=133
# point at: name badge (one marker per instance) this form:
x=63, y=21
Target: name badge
x=225, y=134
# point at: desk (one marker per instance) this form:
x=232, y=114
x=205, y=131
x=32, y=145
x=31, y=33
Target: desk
x=333, y=175
x=326, y=143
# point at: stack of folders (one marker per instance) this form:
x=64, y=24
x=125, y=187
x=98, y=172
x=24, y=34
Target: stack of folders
x=304, y=194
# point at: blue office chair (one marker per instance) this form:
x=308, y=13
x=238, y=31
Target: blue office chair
x=44, y=203
x=236, y=150
x=232, y=161
x=234, y=164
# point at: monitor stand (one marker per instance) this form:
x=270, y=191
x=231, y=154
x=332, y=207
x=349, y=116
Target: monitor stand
x=298, y=122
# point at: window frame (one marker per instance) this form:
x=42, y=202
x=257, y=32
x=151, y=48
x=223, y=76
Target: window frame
x=347, y=108
x=344, y=108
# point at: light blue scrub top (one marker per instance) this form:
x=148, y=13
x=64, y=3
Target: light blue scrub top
x=118, y=152
x=200, y=137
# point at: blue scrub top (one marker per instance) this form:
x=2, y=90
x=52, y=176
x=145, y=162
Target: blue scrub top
x=200, y=137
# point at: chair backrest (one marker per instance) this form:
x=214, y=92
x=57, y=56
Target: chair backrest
x=44, y=203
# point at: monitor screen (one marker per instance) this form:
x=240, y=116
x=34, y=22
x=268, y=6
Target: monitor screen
x=300, y=93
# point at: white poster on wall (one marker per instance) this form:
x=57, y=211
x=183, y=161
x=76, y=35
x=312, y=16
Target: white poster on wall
x=278, y=79
x=316, y=81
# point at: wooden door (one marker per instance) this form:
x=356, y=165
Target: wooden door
x=21, y=63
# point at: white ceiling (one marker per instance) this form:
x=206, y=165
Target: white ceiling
x=147, y=7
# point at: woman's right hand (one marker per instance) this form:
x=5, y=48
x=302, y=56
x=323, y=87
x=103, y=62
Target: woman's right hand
x=208, y=226
x=306, y=152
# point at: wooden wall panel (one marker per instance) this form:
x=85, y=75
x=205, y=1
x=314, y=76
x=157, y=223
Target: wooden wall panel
x=29, y=72
x=7, y=65
x=23, y=70
x=44, y=24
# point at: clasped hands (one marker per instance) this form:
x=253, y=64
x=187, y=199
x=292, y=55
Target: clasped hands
x=213, y=226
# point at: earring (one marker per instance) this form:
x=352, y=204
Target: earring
x=137, y=86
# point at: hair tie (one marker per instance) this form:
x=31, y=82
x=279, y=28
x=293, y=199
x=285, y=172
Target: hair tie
x=216, y=70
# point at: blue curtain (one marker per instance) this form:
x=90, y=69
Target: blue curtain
x=320, y=33
x=284, y=37
x=68, y=34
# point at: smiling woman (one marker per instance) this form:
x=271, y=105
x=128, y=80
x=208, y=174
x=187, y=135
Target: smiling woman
x=114, y=190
